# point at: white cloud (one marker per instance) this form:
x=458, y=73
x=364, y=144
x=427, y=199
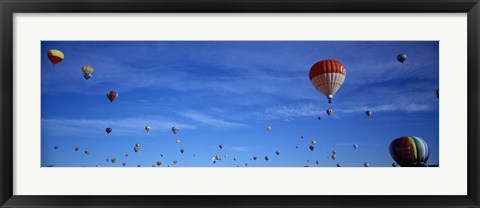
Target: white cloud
x=210, y=120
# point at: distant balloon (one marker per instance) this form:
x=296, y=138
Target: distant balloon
x=112, y=96
x=87, y=71
x=296, y=147
x=136, y=149
x=319, y=118
x=334, y=157
x=124, y=164
x=366, y=164
x=178, y=141
x=334, y=152
x=314, y=142
x=137, y=145
x=161, y=155
x=87, y=152
x=329, y=112
x=327, y=77
x=234, y=159
x=114, y=160
x=254, y=158
x=220, y=146
x=402, y=57
x=182, y=151
x=175, y=129
x=159, y=163
x=318, y=162
x=277, y=152
x=301, y=137
x=339, y=165
x=175, y=162
x=225, y=156
x=107, y=159
x=269, y=128
x=55, y=56
x=139, y=166
x=217, y=157
x=311, y=147
x=56, y=147
x=76, y=149
x=409, y=151
x=355, y=146
x=246, y=164
x=369, y=113
x=266, y=158
x=108, y=130
x=437, y=93
x=147, y=128
x=126, y=155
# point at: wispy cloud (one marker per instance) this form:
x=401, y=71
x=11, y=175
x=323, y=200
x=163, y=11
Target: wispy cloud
x=210, y=120
x=239, y=148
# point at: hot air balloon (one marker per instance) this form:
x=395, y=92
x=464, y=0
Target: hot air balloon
x=246, y=164
x=182, y=151
x=277, y=152
x=269, y=128
x=87, y=152
x=137, y=145
x=178, y=141
x=339, y=165
x=225, y=156
x=311, y=147
x=334, y=157
x=355, y=146
x=314, y=142
x=159, y=163
x=308, y=161
x=329, y=112
x=139, y=166
x=401, y=57
x=136, y=149
x=56, y=147
x=254, y=158
x=107, y=159
x=108, y=130
x=296, y=147
x=394, y=165
x=234, y=159
x=327, y=77
x=161, y=155
x=124, y=164
x=87, y=71
x=126, y=155
x=112, y=96
x=318, y=162
x=175, y=162
x=266, y=158
x=319, y=118
x=334, y=152
x=409, y=151
x=147, y=128
x=220, y=146
x=369, y=113
x=217, y=157
x=114, y=160
x=175, y=129
x=366, y=164
x=437, y=93
x=76, y=149
x=55, y=56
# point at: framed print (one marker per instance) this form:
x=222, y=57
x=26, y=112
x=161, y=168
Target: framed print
x=239, y=104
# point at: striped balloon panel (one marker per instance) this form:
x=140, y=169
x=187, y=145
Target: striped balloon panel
x=409, y=151
x=55, y=56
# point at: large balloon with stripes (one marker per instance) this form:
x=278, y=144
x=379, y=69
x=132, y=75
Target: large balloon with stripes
x=327, y=77
x=410, y=151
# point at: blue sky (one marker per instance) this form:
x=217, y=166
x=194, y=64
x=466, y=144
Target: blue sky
x=228, y=92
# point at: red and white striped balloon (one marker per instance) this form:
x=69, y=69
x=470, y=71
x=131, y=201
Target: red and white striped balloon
x=327, y=77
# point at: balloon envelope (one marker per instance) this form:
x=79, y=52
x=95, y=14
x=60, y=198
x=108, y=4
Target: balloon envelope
x=55, y=56
x=112, y=95
x=327, y=77
x=409, y=151
x=402, y=57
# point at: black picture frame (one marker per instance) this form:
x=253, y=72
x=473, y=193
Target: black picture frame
x=9, y=7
